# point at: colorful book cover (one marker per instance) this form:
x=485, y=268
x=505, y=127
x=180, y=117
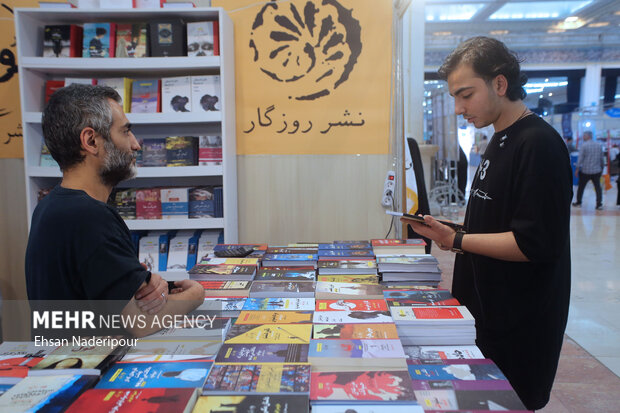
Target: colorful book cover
x=410, y=314
x=17, y=357
x=351, y=305
x=131, y=40
x=274, y=317
x=200, y=39
x=357, y=317
x=384, y=331
x=145, y=96
x=225, y=285
x=348, y=264
x=134, y=400
x=203, y=272
x=209, y=150
x=396, y=242
x=368, y=253
x=263, y=353
x=230, y=261
x=258, y=378
x=282, y=289
x=387, y=386
x=461, y=371
x=269, y=334
x=273, y=403
x=356, y=349
x=291, y=250
x=420, y=297
x=177, y=374
x=78, y=357
x=148, y=203
x=276, y=274
x=122, y=85
x=174, y=203
x=467, y=400
x=62, y=40
x=346, y=246
x=289, y=257
x=234, y=304
x=181, y=150
x=99, y=39
x=256, y=247
x=126, y=203
x=350, y=278
x=327, y=290
x=201, y=202
x=167, y=38
x=154, y=152
x=423, y=354
x=279, y=304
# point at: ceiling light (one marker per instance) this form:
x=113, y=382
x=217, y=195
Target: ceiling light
x=570, y=19
x=598, y=24
x=550, y=94
x=442, y=33
x=498, y=32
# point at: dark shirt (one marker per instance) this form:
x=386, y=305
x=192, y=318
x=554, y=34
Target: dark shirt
x=80, y=249
x=523, y=185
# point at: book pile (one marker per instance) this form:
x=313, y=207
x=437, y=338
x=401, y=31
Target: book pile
x=404, y=262
x=419, y=325
x=291, y=256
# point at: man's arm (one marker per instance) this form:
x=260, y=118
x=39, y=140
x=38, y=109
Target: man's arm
x=187, y=295
x=501, y=246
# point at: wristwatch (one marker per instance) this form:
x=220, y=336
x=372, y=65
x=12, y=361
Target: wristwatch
x=458, y=240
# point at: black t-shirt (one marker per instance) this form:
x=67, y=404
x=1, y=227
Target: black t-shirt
x=80, y=249
x=523, y=184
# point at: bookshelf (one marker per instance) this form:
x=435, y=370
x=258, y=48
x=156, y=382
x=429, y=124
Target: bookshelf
x=35, y=70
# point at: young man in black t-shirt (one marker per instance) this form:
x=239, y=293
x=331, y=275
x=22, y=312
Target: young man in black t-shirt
x=79, y=248
x=513, y=266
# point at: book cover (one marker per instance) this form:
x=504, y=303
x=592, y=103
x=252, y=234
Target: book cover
x=78, y=357
x=277, y=274
x=181, y=150
x=218, y=195
x=360, y=253
x=273, y=403
x=176, y=94
x=210, y=150
x=269, y=334
x=351, y=305
x=387, y=386
x=131, y=40
x=178, y=250
x=201, y=39
x=99, y=40
x=258, y=378
x=177, y=374
x=202, y=272
x=385, y=331
x=282, y=289
x=279, y=304
x=348, y=352
x=226, y=288
x=473, y=370
x=344, y=266
x=206, y=93
x=148, y=203
x=327, y=290
x=229, y=261
x=345, y=246
x=357, y=317
x=174, y=203
x=154, y=152
x=52, y=86
x=135, y=400
x=274, y=317
x=201, y=202
x=262, y=353
x=350, y=278
x=122, y=85
x=291, y=250
x=422, y=354
x=145, y=96
x=46, y=157
x=148, y=252
x=425, y=314
x=172, y=350
x=477, y=400
x=183, y=331
x=126, y=203
x=167, y=38
x=395, y=298
x=18, y=357
x=63, y=40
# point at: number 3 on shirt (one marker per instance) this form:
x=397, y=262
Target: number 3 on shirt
x=483, y=169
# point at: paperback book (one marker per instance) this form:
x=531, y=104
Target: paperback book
x=385, y=331
x=351, y=305
x=356, y=353
x=356, y=317
x=282, y=274
x=269, y=334
x=135, y=400
x=387, y=386
x=274, y=317
x=282, y=289
x=279, y=304
x=337, y=290
x=257, y=379
x=177, y=374
x=273, y=403
x=262, y=353
x=395, y=298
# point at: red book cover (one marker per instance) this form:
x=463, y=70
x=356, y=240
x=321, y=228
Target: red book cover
x=77, y=36
x=383, y=386
x=148, y=203
x=216, y=38
x=51, y=86
x=17, y=366
x=351, y=305
x=112, y=39
x=134, y=400
x=437, y=313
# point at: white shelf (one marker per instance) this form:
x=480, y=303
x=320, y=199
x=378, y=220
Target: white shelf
x=152, y=118
x=165, y=224
x=143, y=172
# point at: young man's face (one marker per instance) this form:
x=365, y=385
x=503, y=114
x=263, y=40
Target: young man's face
x=474, y=98
x=120, y=162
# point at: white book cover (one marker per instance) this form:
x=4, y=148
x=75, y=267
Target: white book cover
x=148, y=252
x=177, y=253
x=443, y=352
x=163, y=350
x=200, y=38
x=207, y=242
x=79, y=80
x=174, y=203
x=176, y=94
x=116, y=83
x=206, y=93
x=351, y=317
x=210, y=150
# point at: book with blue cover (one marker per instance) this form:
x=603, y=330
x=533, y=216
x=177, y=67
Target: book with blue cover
x=341, y=253
x=475, y=369
x=282, y=260
x=279, y=304
x=357, y=353
x=175, y=374
x=346, y=246
x=99, y=40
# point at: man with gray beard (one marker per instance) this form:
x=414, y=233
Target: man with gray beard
x=79, y=247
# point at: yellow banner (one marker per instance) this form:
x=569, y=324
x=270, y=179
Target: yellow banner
x=312, y=76
x=11, y=141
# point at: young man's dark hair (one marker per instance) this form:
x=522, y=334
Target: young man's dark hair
x=67, y=113
x=489, y=58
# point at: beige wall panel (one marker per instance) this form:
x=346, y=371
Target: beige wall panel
x=291, y=198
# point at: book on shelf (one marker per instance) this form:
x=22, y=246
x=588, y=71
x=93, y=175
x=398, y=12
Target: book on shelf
x=154, y=152
x=148, y=203
x=178, y=250
x=363, y=245
x=218, y=194
x=222, y=272
x=145, y=96
x=157, y=374
x=272, y=403
x=289, y=260
x=353, y=304
x=332, y=290
x=206, y=93
x=49, y=393
x=64, y=40
x=398, y=246
x=424, y=354
x=201, y=202
x=181, y=150
x=122, y=85
x=262, y=353
x=167, y=38
x=52, y=86
x=350, y=278
x=358, y=317
x=46, y=157
x=226, y=288
x=385, y=331
x=269, y=334
x=286, y=274
x=132, y=40
x=399, y=298
x=80, y=81
x=180, y=400
x=99, y=40
x=347, y=266
x=203, y=38
x=172, y=350
x=209, y=150
x=274, y=317
x=258, y=379
x=282, y=289
x=356, y=353
x=279, y=304
x=384, y=385
x=149, y=253
x=176, y=94
x=174, y=203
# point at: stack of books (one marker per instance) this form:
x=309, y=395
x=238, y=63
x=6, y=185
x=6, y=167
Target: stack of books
x=291, y=256
x=423, y=325
x=409, y=269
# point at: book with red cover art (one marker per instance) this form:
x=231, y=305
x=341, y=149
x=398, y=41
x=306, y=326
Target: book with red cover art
x=351, y=305
x=135, y=400
x=382, y=386
x=148, y=203
x=52, y=86
x=353, y=331
x=432, y=315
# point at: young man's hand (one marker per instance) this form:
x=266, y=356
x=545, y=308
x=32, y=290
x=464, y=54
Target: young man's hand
x=152, y=297
x=442, y=234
